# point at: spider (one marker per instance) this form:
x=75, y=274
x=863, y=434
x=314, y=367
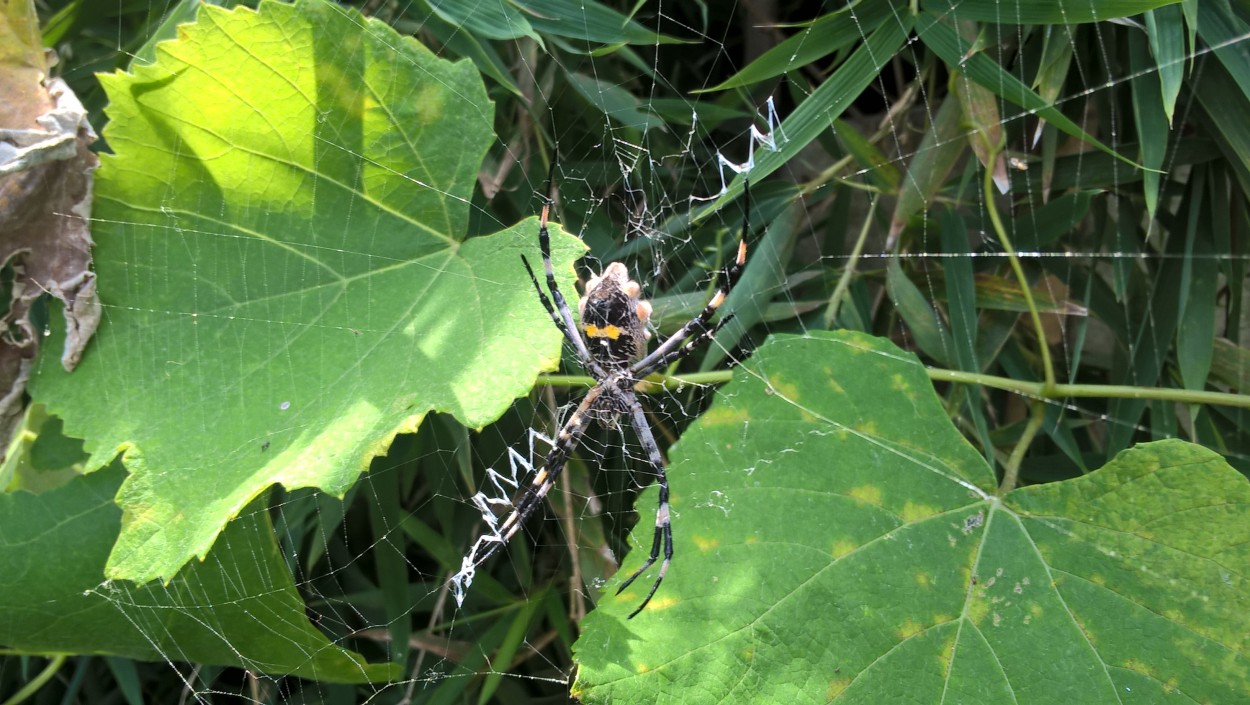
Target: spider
x=610, y=345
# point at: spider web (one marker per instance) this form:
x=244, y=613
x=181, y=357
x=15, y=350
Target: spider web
x=649, y=173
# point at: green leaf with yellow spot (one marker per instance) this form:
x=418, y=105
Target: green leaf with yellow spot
x=862, y=556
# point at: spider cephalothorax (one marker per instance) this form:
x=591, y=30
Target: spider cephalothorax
x=610, y=344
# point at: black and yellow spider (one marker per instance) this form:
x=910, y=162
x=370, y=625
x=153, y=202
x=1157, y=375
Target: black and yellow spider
x=610, y=345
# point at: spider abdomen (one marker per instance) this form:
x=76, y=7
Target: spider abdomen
x=614, y=318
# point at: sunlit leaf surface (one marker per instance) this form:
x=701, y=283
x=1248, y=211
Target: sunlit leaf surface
x=285, y=273
x=838, y=540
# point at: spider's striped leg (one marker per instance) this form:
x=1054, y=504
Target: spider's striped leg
x=561, y=313
x=529, y=498
x=694, y=342
x=579, y=345
x=698, y=324
x=663, y=524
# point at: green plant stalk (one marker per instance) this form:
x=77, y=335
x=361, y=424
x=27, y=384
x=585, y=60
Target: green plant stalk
x=831, y=174
x=1048, y=368
x=1106, y=391
x=44, y=676
x=1038, y=390
x=1011, y=476
x=844, y=283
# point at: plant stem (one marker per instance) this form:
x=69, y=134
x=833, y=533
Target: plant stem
x=844, y=283
x=1048, y=368
x=44, y=676
x=1038, y=390
x=1037, y=414
x=1041, y=390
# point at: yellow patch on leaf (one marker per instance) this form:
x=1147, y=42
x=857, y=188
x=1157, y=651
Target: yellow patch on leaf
x=913, y=512
x=721, y=415
x=789, y=390
x=899, y=383
x=836, y=687
x=908, y=629
x=842, y=547
x=833, y=384
x=662, y=603
x=923, y=579
x=705, y=544
x=867, y=428
x=978, y=609
x=868, y=494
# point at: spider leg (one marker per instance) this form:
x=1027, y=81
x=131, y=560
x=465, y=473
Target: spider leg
x=693, y=343
x=698, y=324
x=579, y=345
x=560, y=313
x=663, y=525
x=530, y=497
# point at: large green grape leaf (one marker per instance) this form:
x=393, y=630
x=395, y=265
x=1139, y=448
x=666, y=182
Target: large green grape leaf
x=837, y=540
x=238, y=608
x=284, y=269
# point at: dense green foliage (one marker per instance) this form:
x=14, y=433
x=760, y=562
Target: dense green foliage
x=307, y=254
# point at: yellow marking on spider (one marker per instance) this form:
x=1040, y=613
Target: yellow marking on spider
x=541, y=477
x=705, y=544
x=609, y=332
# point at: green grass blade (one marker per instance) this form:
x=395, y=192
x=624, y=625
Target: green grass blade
x=1041, y=11
x=814, y=115
x=1152, y=116
x=944, y=41
x=914, y=308
x=825, y=35
x=1166, y=29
